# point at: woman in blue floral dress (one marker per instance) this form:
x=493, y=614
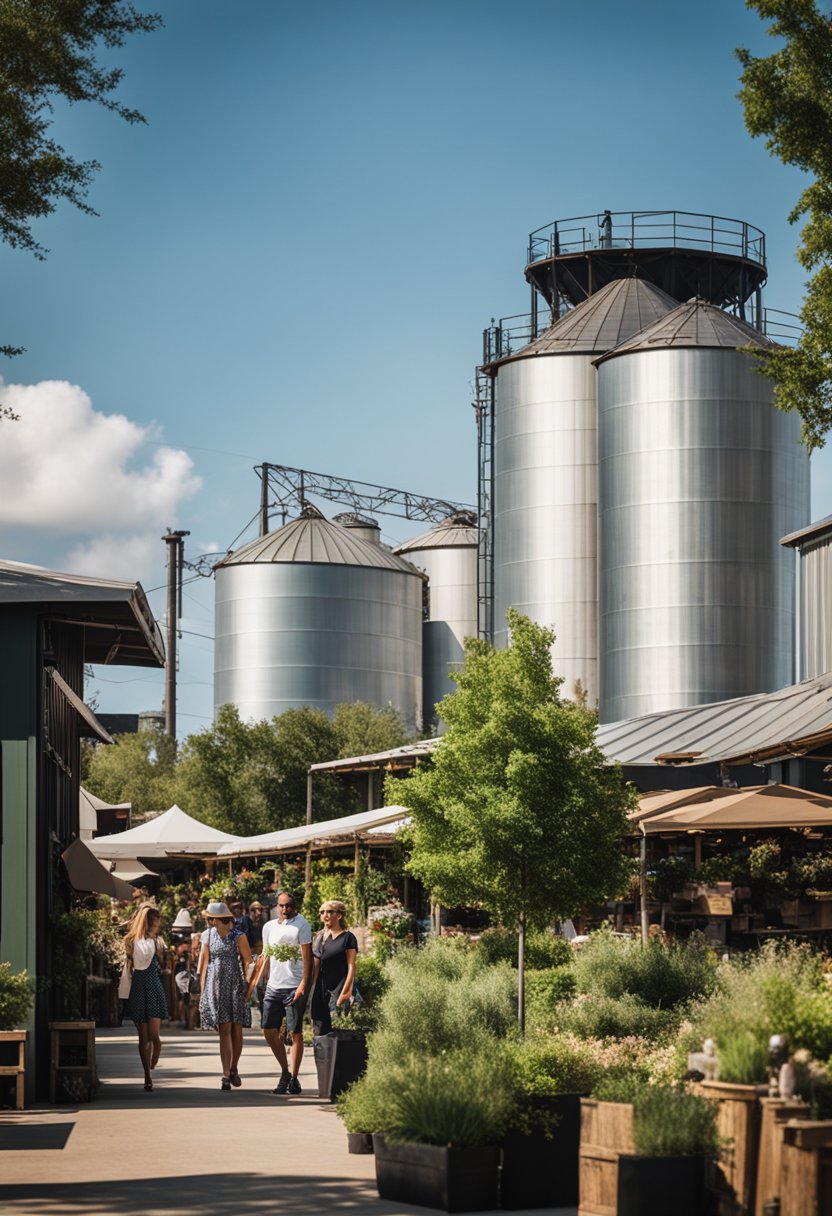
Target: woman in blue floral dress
x=225, y=956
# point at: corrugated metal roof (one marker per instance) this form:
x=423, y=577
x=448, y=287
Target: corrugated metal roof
x=766, y=726
x=615, y=313
x=316, y=540
x=695, y=323
x=406, y=754
x=796, y=540
x=457, y=531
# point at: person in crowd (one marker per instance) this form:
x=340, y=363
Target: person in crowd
x=255, y=929
x=287, y=988
x=242, y=921
x=141, y=984
x=334, y=952
x=224, y=960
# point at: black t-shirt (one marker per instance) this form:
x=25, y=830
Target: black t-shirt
x=333, y=958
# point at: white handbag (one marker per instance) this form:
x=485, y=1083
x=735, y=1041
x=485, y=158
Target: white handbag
x=125, y=983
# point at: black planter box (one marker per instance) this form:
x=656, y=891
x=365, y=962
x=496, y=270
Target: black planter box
x=540, y=1171
x=451, y=1179
x=340, y=1058
x=359, y=1142
x=659, y=1186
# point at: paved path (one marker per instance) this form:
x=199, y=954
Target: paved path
x=187, y=1148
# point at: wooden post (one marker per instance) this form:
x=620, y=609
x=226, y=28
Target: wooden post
x=642, y=885
x=357, y=858
x=307, y=876
x=308, y=797
x=371, y=796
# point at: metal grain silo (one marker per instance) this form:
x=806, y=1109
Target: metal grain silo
x=699, y=477
x=545, y=482
x=312, y=615
x=447, y=553
x=363, y=526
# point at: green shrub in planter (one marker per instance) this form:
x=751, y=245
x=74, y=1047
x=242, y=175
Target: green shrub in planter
x=370, y=977
x=743, y=1058
x=546, y=1066
x=662, y=976
x=668, y=1121
x=602, y=1017
x=363, y=1107
x=463, y=1098
x=17, y=994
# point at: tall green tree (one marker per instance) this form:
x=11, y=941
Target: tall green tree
x=519, y=813
x=137, y=768
x=48, y=51
x=787, y=100
x=361, y=729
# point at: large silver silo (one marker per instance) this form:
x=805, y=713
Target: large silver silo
x=545, y=479
x=699, y=478
x=447, y=553
x=312, y=615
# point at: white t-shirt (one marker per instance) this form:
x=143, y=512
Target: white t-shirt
x=144, y=951
x=294, y=932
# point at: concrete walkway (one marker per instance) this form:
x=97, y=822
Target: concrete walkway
x=187, y=1148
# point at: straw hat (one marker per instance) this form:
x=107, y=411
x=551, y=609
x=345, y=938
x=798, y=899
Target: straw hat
x=183, y=920
x=217, y=911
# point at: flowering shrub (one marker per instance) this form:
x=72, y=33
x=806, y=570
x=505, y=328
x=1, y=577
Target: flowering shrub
x=283, y=953
x=390, y=925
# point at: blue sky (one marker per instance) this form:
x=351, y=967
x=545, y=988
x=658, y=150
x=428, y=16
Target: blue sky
x=295, y=258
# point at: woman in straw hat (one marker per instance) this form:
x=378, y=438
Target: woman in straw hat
x=334, y=952
x=223, y=1007
x=141, y=984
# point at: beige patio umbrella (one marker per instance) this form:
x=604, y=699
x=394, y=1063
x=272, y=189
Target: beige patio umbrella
x=756, y=807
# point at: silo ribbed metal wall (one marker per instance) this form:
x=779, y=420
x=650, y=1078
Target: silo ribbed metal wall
x=452, y=591
x=291, y=634
x=816, y=608
x=545, y=507
x=699, y=477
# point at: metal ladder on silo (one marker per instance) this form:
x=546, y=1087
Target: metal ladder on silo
x=484, y=406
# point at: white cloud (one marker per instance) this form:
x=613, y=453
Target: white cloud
x=71, y=473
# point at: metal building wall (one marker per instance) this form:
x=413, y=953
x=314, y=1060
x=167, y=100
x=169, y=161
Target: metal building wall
x=699, y=478
x=545, y=507
x=451, y=568
x=294, y=633
x=816, y=606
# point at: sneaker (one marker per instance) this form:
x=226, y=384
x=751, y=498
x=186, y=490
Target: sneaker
x=294, y=1086
x=282, y=1086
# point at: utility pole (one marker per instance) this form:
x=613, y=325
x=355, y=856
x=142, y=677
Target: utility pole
x=176, y=554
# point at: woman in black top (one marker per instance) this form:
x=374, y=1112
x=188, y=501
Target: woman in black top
x=333, y=977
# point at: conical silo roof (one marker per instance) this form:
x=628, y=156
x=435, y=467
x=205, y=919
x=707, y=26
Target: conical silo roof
x=456, y=532
x=609, y=317
x=314, y=539
x=694, y=324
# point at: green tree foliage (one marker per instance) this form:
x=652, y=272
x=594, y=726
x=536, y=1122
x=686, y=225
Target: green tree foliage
x=137, y=768
x=361, y=729
x=518, y=813
x=787, y=99
x=48, y=52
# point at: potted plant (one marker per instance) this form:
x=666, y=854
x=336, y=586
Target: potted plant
x=540, y=1151
x=442, y=1121
x=644, y=1148
x=17, y=994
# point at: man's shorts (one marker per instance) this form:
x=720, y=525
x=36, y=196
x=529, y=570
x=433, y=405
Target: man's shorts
x=275, y=1008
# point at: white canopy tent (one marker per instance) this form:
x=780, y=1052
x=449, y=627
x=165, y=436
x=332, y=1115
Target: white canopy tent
x=348, y=828
x=172, y=833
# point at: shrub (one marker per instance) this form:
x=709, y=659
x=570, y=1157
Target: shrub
x=743, y=1058
x=543, y=991
x=370, y=977
x=544, y=949
x=463, y=1098
x=781, y=989
x=668, y=1121
x=364, y=1106
x=548, y=1065
x=603, y=1017
x=17, y=994
x=663, y=976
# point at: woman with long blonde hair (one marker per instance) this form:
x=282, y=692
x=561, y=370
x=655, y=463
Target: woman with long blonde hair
x=141, y=984
x=334, y=952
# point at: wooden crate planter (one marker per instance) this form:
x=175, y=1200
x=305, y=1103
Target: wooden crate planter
x=732, y=1179
x=806, y=1169
x=73, y=1075
x=13, y=1062
x=775, y=1114
x=614, y=1181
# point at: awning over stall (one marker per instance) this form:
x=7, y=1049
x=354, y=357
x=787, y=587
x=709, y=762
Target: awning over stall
x=170, y=834
x=349, y=827
x=756, y=808
x=87, y=874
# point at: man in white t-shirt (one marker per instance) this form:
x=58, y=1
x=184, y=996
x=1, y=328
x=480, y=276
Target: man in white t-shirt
x=287, y=989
